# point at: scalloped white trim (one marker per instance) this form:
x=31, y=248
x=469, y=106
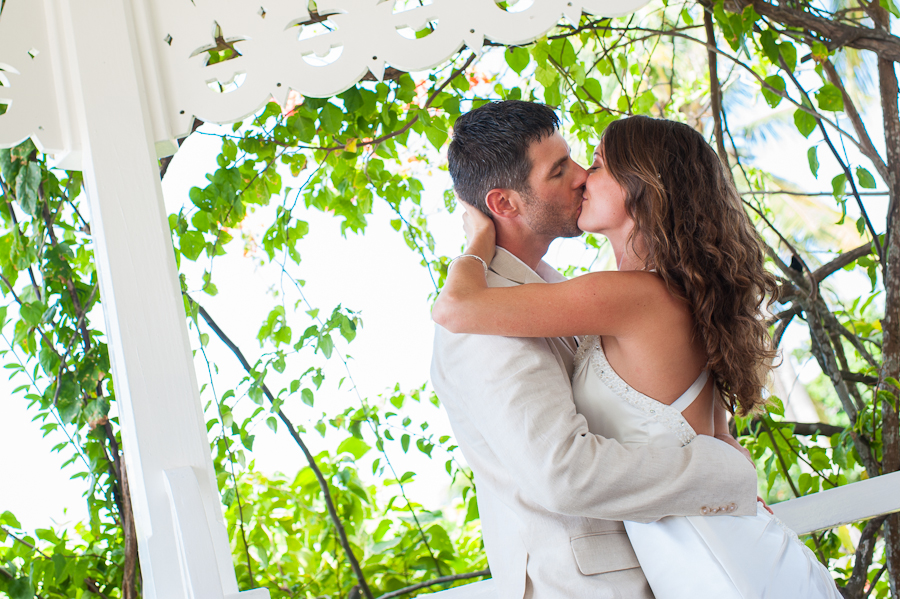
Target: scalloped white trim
x=591, y=349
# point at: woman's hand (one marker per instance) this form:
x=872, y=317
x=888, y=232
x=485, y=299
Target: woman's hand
x=480, y=233
x=453, y=309
x=734, y=443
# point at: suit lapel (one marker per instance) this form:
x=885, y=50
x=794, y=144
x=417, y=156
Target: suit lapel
x=512, y=269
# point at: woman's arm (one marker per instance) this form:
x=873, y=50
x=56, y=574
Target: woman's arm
x=720, y=421
x=607, y=303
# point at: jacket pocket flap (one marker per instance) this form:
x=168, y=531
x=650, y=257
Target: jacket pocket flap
x=603, y=552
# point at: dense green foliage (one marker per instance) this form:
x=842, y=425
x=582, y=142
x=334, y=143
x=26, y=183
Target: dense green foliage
x=775, y=74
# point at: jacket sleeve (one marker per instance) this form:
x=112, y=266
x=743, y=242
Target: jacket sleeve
x=511, y=399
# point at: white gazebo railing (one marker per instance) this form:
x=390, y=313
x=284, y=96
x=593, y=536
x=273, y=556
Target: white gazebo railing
x=107, y=86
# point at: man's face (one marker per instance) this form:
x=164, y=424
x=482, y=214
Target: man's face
x=556, y=182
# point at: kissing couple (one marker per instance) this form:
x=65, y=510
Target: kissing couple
x=593, y=411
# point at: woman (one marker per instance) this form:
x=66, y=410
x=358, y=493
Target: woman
x=682, y=312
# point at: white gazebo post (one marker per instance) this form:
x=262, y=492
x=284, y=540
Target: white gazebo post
x=106, y=86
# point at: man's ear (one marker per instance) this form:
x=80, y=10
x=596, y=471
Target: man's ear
x=503, y=203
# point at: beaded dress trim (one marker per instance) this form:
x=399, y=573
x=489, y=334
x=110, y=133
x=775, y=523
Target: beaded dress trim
x=591, y=350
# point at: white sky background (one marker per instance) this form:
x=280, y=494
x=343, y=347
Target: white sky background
x=376, y=274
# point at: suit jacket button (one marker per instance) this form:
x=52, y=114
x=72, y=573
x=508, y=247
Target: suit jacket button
x=731, y=507
x=704, y=510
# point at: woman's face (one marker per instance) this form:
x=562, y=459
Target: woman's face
x=603, y=210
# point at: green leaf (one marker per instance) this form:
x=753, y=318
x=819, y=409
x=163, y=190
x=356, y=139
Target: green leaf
x=593, y=89
x=356, y=447
x=331, y=118
x=436, y=136
x=424, y=446
x=562, y=51
x=272, y=423
x=471, y=510
x=326, y=345
x=889, y=6
x=192, y=244
x=32, y=313
x=805, y=122
x=813, y=158
x=552, y=95
x=546, y=75
x=304, y=128
x=865, y=178
x=838, y=185
x=789, y=53
x=777, y=83
x=517, y=58
x=829, y=98
x=348, y=329
x=59, y=566
x=307, y=396
x=644, y=102
x=775, y=405
x=27, y=184
x=49, y=361
x=8, y=166
x=769, y=46
x=9, y=519
x=404, y=442
x=21, y=588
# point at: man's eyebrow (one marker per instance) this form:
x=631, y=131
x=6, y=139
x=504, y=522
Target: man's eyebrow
x=559, y=163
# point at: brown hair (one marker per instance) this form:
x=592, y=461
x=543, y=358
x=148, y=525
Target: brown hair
x=694, y=233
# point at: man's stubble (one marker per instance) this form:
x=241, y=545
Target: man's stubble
x=545, y=218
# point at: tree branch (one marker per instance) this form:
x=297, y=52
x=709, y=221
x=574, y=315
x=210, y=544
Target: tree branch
x=855, y=377
x=847, y=174
x=865, y=550
x=865, y=142
x=441, y=580
x=714, y=88
x=841, y=261
x=323, y=484
x=881, y=42
x=814, y=194
x=807, y=429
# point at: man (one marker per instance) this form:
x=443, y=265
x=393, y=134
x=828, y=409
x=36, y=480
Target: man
x=552, y=495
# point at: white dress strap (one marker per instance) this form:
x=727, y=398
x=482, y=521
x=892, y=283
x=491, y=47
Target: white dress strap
x=688, y=397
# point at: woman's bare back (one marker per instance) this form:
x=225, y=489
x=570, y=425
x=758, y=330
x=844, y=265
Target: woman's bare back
x=660, y=357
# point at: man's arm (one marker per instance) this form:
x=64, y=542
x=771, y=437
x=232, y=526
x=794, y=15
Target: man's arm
x=515, y=394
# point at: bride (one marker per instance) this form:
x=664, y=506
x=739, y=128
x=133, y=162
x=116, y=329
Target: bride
x=669, y=344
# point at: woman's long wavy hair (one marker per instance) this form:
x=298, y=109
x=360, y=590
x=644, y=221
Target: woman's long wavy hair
x=691, y=229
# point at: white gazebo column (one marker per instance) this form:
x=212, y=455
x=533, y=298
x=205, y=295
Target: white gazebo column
x=182, y=539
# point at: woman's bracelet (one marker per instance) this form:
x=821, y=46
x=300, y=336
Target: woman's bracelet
x=483, y=263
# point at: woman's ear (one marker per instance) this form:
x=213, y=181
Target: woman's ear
x=503, y=203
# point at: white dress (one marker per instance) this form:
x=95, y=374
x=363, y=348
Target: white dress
x=694, y=557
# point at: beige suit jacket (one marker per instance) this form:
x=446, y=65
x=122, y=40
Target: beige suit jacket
x=552, y=495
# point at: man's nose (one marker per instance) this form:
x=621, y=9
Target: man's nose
x=580, y=175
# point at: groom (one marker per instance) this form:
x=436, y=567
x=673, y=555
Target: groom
x=551, y=495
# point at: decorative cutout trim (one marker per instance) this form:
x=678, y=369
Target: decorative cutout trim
x=592, y=350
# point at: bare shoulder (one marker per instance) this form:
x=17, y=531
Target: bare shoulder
x=636, y=285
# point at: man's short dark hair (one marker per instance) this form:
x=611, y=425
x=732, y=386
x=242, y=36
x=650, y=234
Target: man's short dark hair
x=490, y=148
